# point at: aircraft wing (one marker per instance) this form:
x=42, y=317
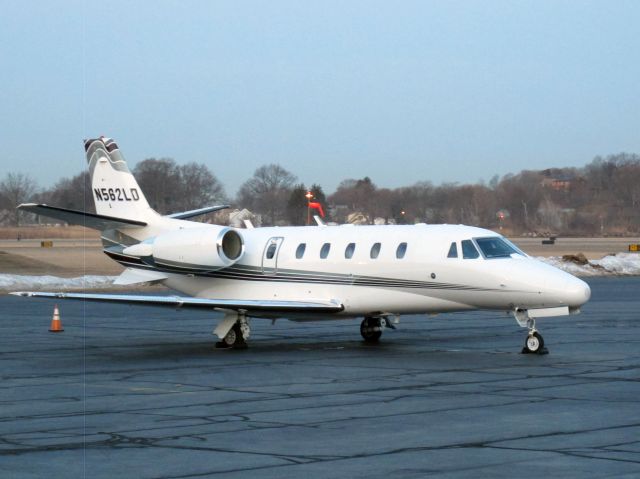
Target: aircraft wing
x=82, y=218
x=248, y=305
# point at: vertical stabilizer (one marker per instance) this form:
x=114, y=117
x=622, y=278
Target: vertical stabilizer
x=115, y=190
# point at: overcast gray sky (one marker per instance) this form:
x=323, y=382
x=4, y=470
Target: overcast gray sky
x=399, y=91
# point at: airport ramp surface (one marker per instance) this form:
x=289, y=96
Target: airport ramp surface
x=142, y=393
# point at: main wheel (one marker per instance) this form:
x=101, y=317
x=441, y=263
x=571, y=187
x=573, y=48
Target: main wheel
x=231, y=337
x=234, y=338
x=534, y=343
x=370, y=330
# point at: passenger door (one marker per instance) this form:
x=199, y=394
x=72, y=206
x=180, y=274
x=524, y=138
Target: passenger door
x=270, y=255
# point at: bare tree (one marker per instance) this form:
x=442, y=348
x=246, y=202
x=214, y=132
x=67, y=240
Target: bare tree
x=73, y=193
x=16, y=188
x=170, y=188
x=267, y=192
x=357, y=195
x=159, y=179
x=200, y=187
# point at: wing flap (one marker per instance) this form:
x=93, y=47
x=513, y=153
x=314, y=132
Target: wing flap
x=82, y=218
x=318, y=306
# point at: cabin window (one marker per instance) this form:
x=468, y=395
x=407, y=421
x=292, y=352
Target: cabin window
x=348, y=252
x=469, y=251
x=453, y=250
x=271, y=250
x=300, y=250
x=375, y=250
x=401, y=250
x=324, y=252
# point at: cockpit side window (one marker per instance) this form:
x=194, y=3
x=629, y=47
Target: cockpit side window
x=453, y=250
x=469, y=251
x=496, y=247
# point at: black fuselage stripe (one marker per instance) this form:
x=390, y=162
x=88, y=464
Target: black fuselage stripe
x=279, y=279
x=253, y=273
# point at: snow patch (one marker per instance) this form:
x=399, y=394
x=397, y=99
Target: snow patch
x=618, y=264
x=15, y=282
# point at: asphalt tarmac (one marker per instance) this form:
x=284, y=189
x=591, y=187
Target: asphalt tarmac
x=141, y=392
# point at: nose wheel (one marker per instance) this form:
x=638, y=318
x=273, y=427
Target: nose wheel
x=533, y=344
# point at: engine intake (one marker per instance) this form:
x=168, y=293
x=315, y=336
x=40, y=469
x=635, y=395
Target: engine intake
x=231, y=245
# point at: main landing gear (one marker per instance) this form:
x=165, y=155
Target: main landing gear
x=534, y=343
x=371, y=328
x=233, y=331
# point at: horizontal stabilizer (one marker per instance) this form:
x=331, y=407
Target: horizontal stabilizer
x=74, y=217
x=201, y=211
x=138, y=276
x=199, y=303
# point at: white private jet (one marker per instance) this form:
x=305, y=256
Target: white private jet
x=313, y=272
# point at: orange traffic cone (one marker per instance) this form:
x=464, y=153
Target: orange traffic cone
x=56, y=324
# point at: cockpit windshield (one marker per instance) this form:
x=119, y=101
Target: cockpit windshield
x=497, y=247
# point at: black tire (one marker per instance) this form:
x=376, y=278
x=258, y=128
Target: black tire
x=534, y=343
x=370, y=330
x=234, y=338
x=231, y=337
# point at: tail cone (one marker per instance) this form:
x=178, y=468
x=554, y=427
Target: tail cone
x=56, y=324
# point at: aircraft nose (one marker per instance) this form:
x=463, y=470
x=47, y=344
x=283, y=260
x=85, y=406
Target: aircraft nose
x=577, y=292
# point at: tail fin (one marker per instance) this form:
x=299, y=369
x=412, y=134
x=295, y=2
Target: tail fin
x=115, y=190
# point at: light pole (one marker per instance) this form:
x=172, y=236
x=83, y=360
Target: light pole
x=309, y=197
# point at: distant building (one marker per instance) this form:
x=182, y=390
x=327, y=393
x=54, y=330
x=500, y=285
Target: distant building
x=557, y=179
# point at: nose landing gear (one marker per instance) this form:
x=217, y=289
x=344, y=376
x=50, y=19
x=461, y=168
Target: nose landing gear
x=534, y=343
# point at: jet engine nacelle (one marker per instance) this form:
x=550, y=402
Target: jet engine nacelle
x=208, y=248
